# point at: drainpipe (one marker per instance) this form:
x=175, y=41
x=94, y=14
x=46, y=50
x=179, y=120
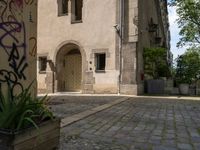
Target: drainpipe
x=121, y=34
x=53, y=81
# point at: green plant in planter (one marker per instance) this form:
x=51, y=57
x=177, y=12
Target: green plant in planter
x=22, y=111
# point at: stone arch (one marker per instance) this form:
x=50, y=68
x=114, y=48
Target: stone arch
x=62, y=50
x=83, y=53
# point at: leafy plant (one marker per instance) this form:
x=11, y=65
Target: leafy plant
x=188, y=66
x=155, y=62
x=22, y=111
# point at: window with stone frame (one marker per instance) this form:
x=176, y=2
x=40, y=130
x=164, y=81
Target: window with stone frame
x=63, y=7
x=100, y=62
x=42, y=64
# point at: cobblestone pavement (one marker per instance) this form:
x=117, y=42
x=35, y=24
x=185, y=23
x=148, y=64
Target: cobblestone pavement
x=138, y=124
x=64, y=106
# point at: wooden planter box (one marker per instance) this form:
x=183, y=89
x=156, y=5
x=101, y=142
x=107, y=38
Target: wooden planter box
x=46, y=138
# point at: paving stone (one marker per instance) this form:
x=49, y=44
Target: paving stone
x=183, y=140
x=157, y=132
x=160, y=147
x=138, y=123
x=184, y=146
x=197, y=146
x=194, y=134
x=172, y=143
x=155, y=142
x=65, y=106
x=156, y=137
x=142, y=146
x=170, y=136
x=195, y=139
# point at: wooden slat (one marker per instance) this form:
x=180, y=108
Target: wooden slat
x=49, y=126
x=49, y=145
x=39, y=140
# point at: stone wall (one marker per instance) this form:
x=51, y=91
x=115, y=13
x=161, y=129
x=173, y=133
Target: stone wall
x=99, y=31
x=129, y=48
x=18, y=43
x=95, y=33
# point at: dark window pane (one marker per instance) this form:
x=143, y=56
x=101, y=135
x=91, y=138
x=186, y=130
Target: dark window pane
x=42, y=63
x=100, y=61
x=78, y=9
x=64, y=6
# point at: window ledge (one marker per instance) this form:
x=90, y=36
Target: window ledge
x=42, y=72
x=76, y=21
x=61, y=15
x=100, y=71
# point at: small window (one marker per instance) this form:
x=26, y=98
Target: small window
x=100, y=61
x=42, y=64
x=62, y=7
x=77, y=6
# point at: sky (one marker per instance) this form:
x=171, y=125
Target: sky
x=174, y=33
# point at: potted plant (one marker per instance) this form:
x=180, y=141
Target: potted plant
x=182, y=76
x=183, y=87
x=26, y=123
x=155, y=68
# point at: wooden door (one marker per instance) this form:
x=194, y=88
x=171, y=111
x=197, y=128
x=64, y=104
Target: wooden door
x=73, y=72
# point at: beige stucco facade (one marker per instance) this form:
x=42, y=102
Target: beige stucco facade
x=116, y=28
x=18, y=32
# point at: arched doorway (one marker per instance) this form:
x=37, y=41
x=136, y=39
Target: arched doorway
x=69, y=69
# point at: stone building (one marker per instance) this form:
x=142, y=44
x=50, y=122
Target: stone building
x=96, y=46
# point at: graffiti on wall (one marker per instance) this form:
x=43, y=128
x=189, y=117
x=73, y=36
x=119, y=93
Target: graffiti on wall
x=13, y=43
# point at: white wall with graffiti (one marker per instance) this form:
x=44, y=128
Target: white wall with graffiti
x=18, y=34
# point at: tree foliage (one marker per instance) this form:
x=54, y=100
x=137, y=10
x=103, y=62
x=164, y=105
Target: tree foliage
x=189, y=21
x=155, y=62
x=188, y=66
